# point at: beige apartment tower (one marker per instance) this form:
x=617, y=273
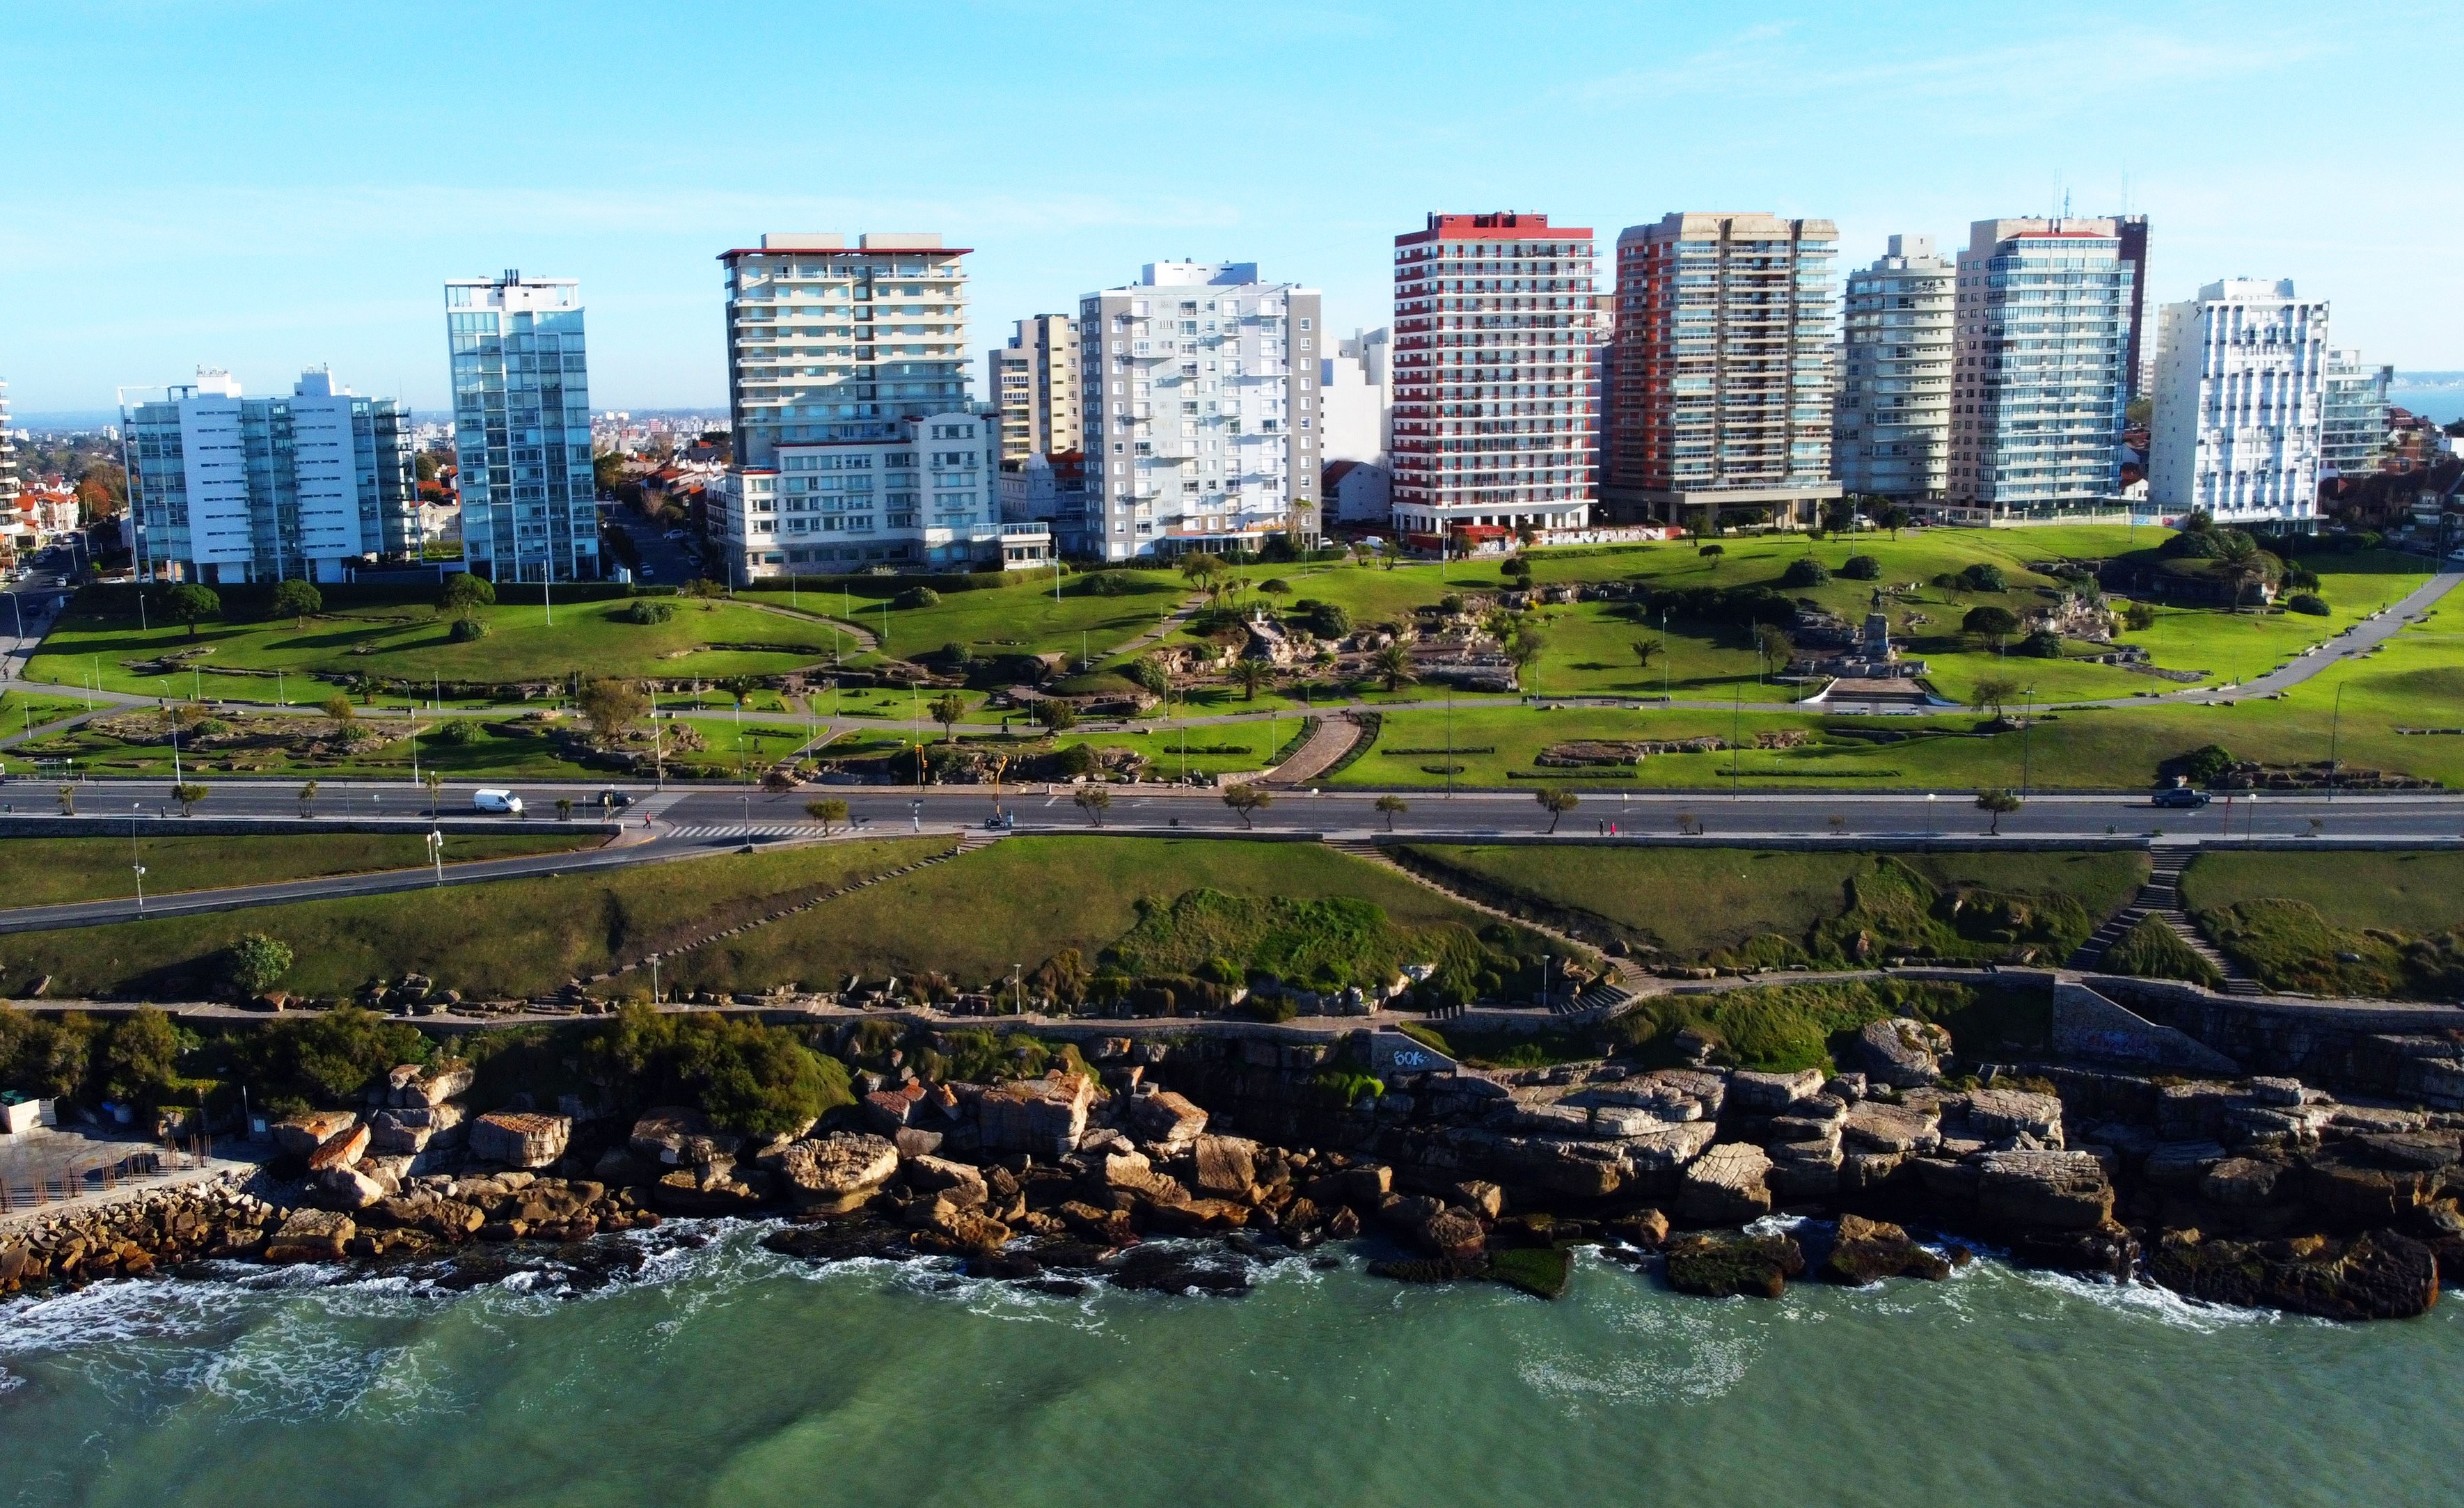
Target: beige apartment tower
x=1034, y=386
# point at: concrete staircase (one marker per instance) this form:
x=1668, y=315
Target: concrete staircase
x=2161, y=897
x=1603, y=998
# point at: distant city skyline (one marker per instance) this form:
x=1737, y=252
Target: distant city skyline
x=281, y=186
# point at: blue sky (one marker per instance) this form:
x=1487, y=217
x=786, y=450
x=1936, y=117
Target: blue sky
x=267, y=186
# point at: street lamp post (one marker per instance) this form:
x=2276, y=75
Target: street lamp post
x=1929, y=815
x=2335, y=731
x=436, y=853
x=134, y=858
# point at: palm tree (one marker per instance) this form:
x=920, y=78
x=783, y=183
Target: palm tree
x=1646, y=650
x=1393, y=806
x=1250, y=674
x=2238, y=553
x=1394, y=665
x=1557, y=803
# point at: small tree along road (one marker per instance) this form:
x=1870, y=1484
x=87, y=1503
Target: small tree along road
x=946, y=710
x=1094, y=801
x=1244, y=799
x=1393, y=807
x=830, y=812
x=2001, y=803
x=1557, y=803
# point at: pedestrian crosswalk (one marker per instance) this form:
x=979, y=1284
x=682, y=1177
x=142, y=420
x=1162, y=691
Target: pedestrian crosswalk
x=748, y=830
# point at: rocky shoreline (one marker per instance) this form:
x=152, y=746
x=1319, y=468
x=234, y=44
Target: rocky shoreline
x=1175, y=1165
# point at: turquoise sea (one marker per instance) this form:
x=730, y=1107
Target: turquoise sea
x=723, y=1374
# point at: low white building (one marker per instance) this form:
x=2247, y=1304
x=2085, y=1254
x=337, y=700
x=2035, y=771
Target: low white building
x=1356, y=385
x=2239, y=404
x=921, y=501
x=1359, y=493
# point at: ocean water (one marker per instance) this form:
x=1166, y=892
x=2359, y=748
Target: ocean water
x=727, y=1375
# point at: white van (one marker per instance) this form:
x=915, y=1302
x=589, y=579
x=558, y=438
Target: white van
x=502, y=802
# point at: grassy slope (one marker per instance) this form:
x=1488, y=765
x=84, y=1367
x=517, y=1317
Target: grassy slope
x=2416, y=893
x=506, y=937
x=407, y=642
x=1015, y=619
x=44, y=871
x=1025, y=899
x=1695, y=902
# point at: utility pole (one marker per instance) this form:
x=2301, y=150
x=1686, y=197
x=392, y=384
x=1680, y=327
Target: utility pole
x=2335, y=731
x=135, y=858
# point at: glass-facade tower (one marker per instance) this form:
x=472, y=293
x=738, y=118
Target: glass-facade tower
x=522, y=428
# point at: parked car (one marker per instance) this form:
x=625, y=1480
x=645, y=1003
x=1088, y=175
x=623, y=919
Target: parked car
x=2180, y=796
x=502, y=803
x=615, y=800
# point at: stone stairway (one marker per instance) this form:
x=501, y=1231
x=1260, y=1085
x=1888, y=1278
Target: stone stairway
x=2161, y=897
x=1603, y=998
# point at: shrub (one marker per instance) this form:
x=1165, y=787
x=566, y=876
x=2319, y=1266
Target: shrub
x=139, y=1057
x=1861, y=568
x=40, y=1057
x=2043, y=644
x=466, y=630
x=1804, y=571
x=2208, y=764
x=1327, y=620
x=2150, y=951
x=257, y=963
x=458, y=732
x=649, y=610
x=1983, y=577
x=756, y=1080
x=916, y=597
x=2310, y=602
x=1103, y=583
x=1148, y=675
x=463, y=590
x=326, y=1058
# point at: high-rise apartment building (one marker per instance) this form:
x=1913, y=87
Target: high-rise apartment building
x=1495, y=408
x=2041, y=369
x=846, y=378
x=1201, y=397
x=1891, y=437
x=227, y=488
x=8, y=456
x=2131, y=231
x=2241, y=375
x=1034, y=388
x=1723, y=369
x=2353, y=415
x=522, y=428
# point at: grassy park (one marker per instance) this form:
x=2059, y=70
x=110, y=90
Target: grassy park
x=49, y=871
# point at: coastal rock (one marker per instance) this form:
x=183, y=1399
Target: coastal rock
x=940, y=1226
x=2179, y=1164
x=424, y=1089
x=1644, y=1228
x=1480, y=1196
x=677, y=1135
x=1546, y=1165
x=1997, y=1113
x=1902, y=1052
x=2059, y=1190
x=704, y=1193
x=956, y=1182
x=2108, y=1252
x=2379, y=1275
x=411, y=1129
x=1359, y=1188
x=1804, y=1169
x=302, y=1134
x=2241, y=1181
x=1042, y=1117
x=1719, y=1264
x=311, y=1236
x=340, y=1151
x=1772, y=1093
x=1452, y=1233
x=520, y=1138
x=1866, y=1251
x=1872, y=1125
x=1228, y=1167
x=349, y=1188
x=1727, y=1184
x=1167, y=1120
x=835, y=1173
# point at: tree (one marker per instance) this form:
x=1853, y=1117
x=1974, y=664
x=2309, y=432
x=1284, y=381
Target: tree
x=1250, y=674
x=2237, y=553
x=1894, y=518
x=188, y=601
x=829, y=813
x=1645, y=650
x=1991, y=695
x=1993, y=625
x=68, y=801
x=563, y=807
x=741, y=688
x=339, y=708
x=611, y=707
x=462, y=591
x=297, y=599
x=2138, y=617
x=257, y=963
x=1773, y=643
x=1557, y=803
x=1204, y=572
x=308, y=798
x=1094, y=801
x=1056, y=715
x=1393, y=665
x=2001, y=803
x=1526, y=648
x=1393, y=807
x=1712, y=552
x=188, y=793
x=946, y=710
x=1245, y=799
x=139, y=1057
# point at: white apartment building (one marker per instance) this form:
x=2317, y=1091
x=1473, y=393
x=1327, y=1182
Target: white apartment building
x=2241, y=375
x=1204, y=430
x=846, y=378
x=522, y=428
x=2041, y=370
x=8, y=456
x=2353, y=429
x=1890, y=436
x=1034, y=388
x=227, y=488
x=1357, y=395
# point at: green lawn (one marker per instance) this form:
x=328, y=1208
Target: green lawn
x=2372, y=925
x=2416, y=893
x=506, y=937
x=508, y=748
x=1017, y=619
x=410, y=643
x=1696, y=903
x=46, y=871
x=23, y=711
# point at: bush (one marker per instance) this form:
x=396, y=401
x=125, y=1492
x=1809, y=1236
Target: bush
x=257, y=963
x=2208, y=764
x=2150, y=951
x=756, y=1080
x=326, y=1058
x=463, y=590
x=1990, y=622
x=2310, y=602
x=458, y=732
x=1983, y=577
x=1804, y=571
x=40, y=1057
x=1148, y=675
x=1100, y=583
x=1861, y=568
x=916, y=597
x=1327, y=620
x=649, y=610
x=139, y=1057
x=467, y=631
x=2043, y=644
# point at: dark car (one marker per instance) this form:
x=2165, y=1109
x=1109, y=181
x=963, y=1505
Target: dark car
x=615, y=800
x=2180, y=796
